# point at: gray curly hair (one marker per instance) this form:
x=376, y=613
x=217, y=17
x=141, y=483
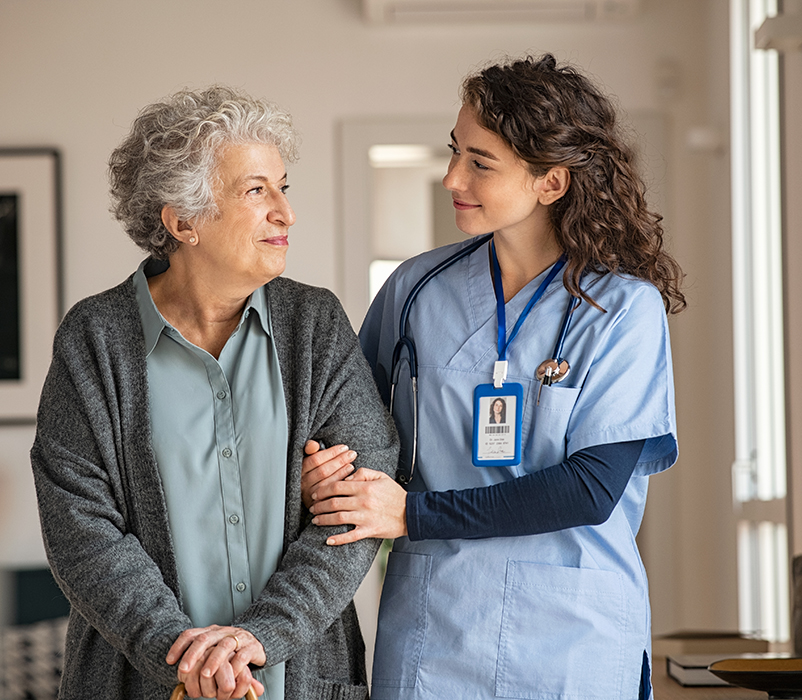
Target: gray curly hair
x=170, y=158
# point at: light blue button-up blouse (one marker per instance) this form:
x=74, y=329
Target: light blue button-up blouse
x=220, y=438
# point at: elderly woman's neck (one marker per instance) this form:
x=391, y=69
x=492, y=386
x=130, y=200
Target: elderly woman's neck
x=204, y=310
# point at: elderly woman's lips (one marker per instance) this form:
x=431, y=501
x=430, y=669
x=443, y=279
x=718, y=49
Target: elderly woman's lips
x=277, y=240
x=463, y=205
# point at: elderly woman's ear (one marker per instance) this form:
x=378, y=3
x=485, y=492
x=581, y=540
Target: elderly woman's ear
x=180, y=230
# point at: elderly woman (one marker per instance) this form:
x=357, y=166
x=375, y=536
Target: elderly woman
x=171, y=429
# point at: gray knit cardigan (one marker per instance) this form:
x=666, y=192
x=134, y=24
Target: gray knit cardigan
x=104, y=518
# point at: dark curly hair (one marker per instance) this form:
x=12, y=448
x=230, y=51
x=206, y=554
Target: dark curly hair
x=554, y=116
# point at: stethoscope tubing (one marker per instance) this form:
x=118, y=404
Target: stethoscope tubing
x=406, y=343
x=403, y=340
x=573, y=302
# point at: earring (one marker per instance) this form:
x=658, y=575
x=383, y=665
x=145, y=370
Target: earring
x=192, y=239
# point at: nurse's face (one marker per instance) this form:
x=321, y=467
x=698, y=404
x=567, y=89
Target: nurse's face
x=492, y=188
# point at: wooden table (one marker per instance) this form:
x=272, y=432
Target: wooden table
x=666, y=688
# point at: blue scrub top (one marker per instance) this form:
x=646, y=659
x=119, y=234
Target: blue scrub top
x=551, y=616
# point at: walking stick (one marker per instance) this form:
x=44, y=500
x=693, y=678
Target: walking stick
x=180, y=693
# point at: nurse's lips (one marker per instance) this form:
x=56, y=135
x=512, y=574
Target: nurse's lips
x=462, y=206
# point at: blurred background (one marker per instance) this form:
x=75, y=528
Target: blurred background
x=710, y=91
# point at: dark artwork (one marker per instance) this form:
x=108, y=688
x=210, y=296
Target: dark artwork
x=9, y=289
x=37, y=597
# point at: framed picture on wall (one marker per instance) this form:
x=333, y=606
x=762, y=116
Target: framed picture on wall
x=30, y=276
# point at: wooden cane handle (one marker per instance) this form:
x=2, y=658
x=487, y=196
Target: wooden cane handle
x=180, y=693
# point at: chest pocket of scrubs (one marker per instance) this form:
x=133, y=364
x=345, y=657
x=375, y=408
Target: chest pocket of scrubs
x=549, y=421
x=402, y=624
x=557, y=618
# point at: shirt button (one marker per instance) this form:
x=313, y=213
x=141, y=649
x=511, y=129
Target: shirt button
x=241, y=587
x=221, y=395
x=233, y=519
x=226, y=452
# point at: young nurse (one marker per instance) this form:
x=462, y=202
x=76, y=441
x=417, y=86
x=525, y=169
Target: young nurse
x=515, y=571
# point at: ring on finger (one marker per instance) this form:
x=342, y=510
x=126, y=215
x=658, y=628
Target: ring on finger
x=236, y=639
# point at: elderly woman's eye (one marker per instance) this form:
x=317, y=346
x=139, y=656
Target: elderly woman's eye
x=284, y=189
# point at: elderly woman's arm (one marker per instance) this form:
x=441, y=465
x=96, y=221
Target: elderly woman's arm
x=91, y=520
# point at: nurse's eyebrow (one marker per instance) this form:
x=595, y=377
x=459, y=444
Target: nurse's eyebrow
x=477, y=151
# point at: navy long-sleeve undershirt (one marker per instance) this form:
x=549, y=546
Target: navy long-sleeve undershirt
x=582, y=490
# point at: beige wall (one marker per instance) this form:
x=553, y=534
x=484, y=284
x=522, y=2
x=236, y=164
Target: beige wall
x=792, y=205
x=73, y=74
x=688, y=537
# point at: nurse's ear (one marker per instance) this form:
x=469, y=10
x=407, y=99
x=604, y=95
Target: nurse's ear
x=553, y=185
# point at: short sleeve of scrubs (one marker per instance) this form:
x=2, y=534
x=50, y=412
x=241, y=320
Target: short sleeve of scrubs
x=628, y=391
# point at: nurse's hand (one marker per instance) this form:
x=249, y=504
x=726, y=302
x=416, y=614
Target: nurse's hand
x=321, y=467
x=371, y=501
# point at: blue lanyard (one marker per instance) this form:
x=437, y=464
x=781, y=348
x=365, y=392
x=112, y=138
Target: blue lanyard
x=503, y=342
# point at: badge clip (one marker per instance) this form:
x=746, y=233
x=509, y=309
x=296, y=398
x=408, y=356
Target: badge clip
x=499, y=373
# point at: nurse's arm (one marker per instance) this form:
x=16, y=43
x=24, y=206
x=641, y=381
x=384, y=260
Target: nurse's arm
x=369, y=500
x=582, y=490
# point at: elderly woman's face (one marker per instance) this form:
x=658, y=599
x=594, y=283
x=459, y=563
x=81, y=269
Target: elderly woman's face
x=248, y=241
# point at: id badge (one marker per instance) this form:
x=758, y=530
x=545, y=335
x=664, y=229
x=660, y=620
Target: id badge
x=497, y=424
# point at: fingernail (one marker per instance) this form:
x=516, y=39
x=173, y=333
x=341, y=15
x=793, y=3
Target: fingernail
x=351, y=467
x=352, y=455
x=314, y=521
x=330, y=540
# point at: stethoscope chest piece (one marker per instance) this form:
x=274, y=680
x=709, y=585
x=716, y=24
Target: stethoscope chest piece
x=551, y=371
x=556, y=369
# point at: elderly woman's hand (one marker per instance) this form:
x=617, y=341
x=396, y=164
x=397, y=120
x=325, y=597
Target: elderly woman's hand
x=321, y=467
x=370, y=500
x=214, y=661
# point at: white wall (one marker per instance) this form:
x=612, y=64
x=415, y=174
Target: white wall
x=73, y=74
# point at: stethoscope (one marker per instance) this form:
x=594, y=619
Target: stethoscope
x=548, y=372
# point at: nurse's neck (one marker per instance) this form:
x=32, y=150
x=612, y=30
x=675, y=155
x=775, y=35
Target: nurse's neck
x=521, y=259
